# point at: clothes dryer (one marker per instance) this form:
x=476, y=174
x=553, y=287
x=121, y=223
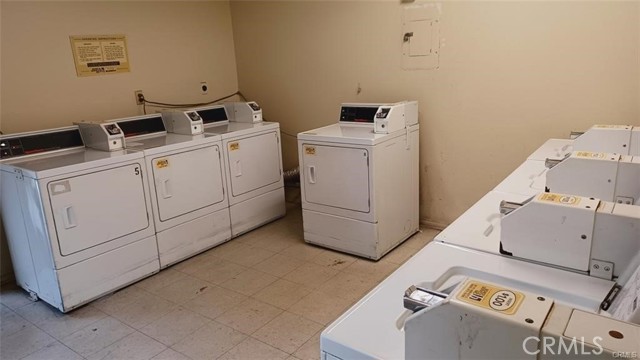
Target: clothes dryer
x=188, y=190
x=252, y=160
x=78, y=221
x=359, y=184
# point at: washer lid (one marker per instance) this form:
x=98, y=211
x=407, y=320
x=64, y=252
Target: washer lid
x=169, y=142
x=349, y=134
x=45, y=166
x=235, y=129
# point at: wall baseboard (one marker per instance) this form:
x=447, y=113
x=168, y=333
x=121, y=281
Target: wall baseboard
x=433, y=224
x=7, y=279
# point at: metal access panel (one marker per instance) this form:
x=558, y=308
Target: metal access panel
x=254, y=162
x=187, y=181
x=98, y=207
x=336, y=176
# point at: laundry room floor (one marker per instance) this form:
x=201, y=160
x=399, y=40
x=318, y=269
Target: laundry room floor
x=264, y=295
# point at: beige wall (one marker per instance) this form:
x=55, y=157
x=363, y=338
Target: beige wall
x=173, y=46
x=512, y=74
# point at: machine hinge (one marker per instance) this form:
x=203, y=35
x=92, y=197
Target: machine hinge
x=601, y=269
x=624, y=200
x=611, y=296
x=18, y=173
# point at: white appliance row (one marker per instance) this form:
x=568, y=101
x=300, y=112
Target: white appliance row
x=462, y=297
x=359, y=179
x=82, y=222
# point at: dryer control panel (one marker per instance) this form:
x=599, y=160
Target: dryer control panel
x=244, y=111
x=102, y=136
x=183, y=122
x=25, y=144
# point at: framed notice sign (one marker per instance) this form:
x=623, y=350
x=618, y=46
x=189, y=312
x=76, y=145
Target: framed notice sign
x=100, y=54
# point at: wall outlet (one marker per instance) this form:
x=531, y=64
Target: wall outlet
x=139, y=97
x=204, y=88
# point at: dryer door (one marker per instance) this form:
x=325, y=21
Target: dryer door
x=187, y=181
x=336, y=176
x=98, y=207
x=254, y=162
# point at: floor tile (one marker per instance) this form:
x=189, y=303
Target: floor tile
x=174, y=326
x=334, y=260
x=24, y=342
x=279, y=265
x=275, y=242
x=254, y=350
x=194, y=264
x=302, y=251
x=120, y=299
x=54, y=351
x=247, y=255
x=219, y=271
x=226, y=249
x=97, y=336
x=249, y=316
x=10, y=322
x=214, y=301
x=282, y=293
x=348, y=286
x=210, y=341
x=13, y=296
x=170, y=354
x=249, y=282
x=183, y=290
x=374, y=270
x=287, y=332
x=160, y=280
x=311, y=275
x=320, y=307
x=58, y=324
x=135, y=346
x=144, y=311
x=310, y=350
x=400, y=254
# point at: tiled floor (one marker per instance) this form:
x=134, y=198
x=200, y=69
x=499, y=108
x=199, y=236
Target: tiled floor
x=264, y=295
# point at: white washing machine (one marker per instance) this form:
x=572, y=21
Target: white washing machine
x=373, y=328
x=78, y=221
x=186, y=178
x=360, y=185
x=252, y=161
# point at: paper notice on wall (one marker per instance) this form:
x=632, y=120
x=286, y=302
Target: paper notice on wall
x=100, y=54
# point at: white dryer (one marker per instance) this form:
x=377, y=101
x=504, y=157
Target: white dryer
x=186, y=178
x=359, y=184
x=252, y=163
x=78, y=221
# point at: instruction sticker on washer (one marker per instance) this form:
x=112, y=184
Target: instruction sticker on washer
x=100, y=54
x=162, y=163
x=611, y=126
x=234, y=146
x=491, y=297
x=590, y=155
x=309, y=150
x=560, y=198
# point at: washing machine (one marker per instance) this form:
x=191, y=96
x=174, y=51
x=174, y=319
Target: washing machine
x=78, y=221
x=188, y=187
x=252, y=161
x=359, y=179
x=373, y=328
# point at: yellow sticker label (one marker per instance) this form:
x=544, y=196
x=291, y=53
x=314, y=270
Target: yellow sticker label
x=590, y=155
x=491, y=297
x=560, y=198
x=234, y=146
x=610, y=126
x=309, y=150
x=162, y=163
